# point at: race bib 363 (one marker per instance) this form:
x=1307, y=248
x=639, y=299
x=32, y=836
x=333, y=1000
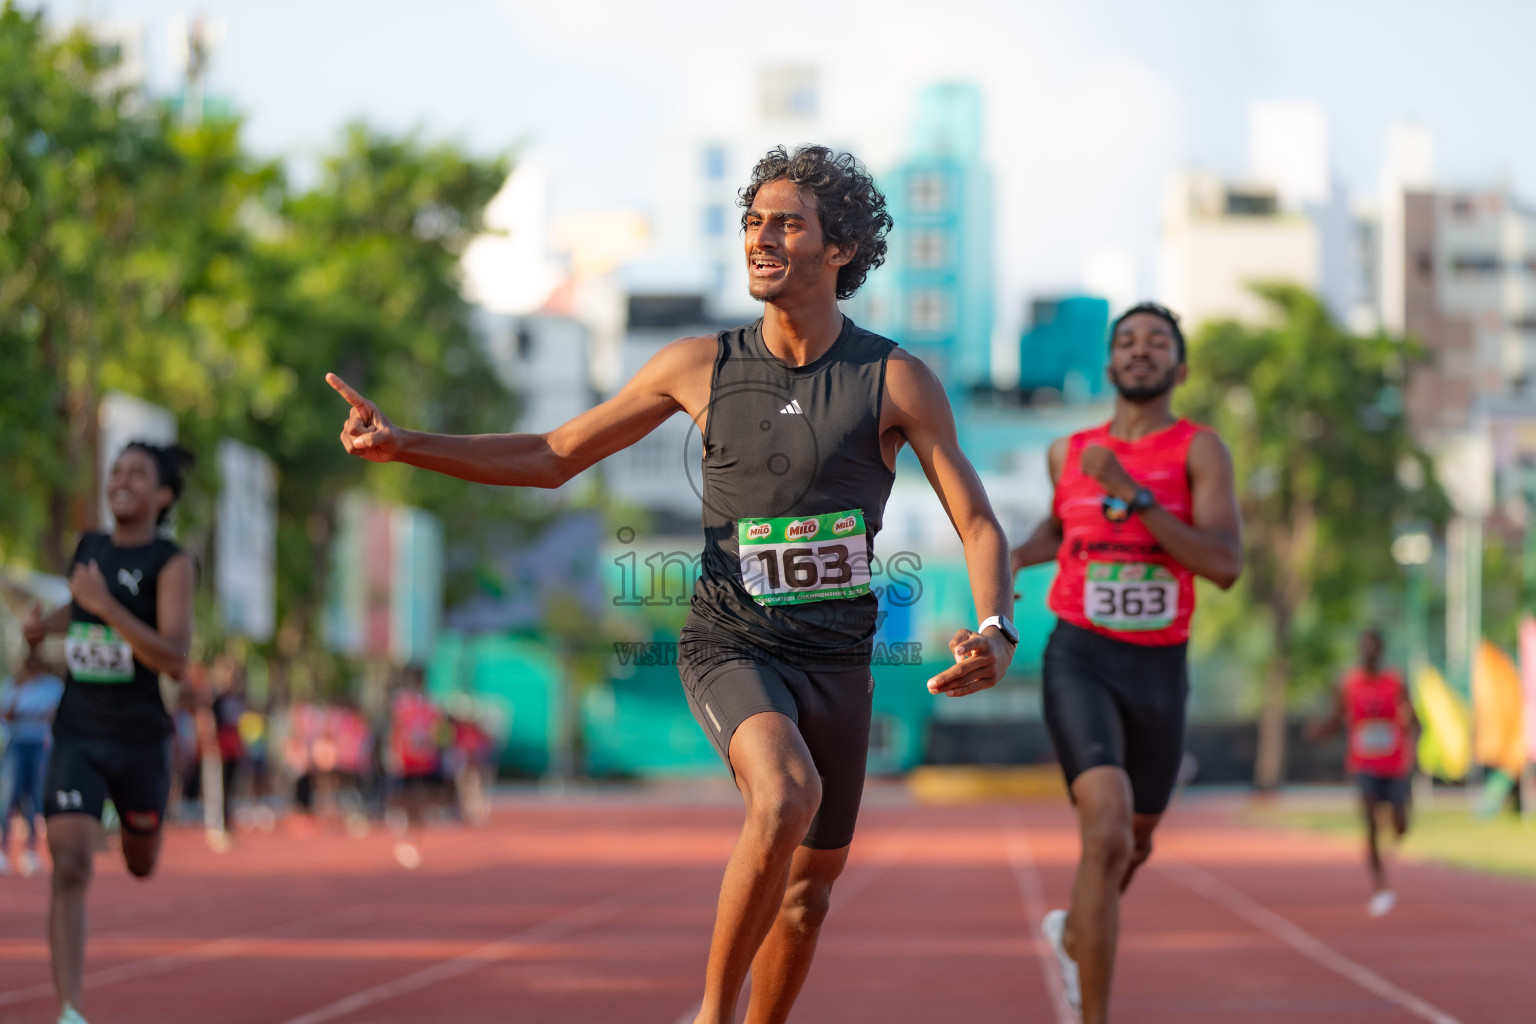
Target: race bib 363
x=1130, y=596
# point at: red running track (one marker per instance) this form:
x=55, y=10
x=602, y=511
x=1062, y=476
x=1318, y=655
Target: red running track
x=597, y=910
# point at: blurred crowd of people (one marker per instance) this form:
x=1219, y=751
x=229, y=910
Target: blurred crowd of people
x=243, y=765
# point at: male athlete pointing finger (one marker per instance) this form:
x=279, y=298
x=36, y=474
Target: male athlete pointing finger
x=802, y=415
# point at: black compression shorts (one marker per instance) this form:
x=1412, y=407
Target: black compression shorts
x=83, y=773
x=1384, y=789
x=1109, y=702
x=728, y=682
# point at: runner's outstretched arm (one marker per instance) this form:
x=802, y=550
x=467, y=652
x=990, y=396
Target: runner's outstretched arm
x=536, y=460
x=163, y=648
x=921, y=413
x=1043, y=544
x=38, y=626
x=1213, y=545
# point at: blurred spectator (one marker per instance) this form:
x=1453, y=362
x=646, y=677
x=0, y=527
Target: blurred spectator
x=413, y=761
x=27, y=705
x=470, y=761
x=228, y=707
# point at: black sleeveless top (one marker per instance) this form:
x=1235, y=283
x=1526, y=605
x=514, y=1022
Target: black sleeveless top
x=785, y=441
x=108, y=693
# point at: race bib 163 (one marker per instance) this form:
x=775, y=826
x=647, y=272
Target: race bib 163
x=796, y=559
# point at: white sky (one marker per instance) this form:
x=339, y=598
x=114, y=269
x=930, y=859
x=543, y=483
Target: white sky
x=1091, y=104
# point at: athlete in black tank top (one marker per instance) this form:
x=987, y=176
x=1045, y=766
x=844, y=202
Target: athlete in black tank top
x=802, y=415
x=130, y=621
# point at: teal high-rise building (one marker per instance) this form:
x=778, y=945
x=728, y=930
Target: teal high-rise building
x=935, y=294
x=1066, y=347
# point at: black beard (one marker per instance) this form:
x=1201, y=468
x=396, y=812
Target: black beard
x=1145, y=392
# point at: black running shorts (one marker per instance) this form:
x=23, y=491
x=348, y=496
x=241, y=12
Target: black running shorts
x=1384, y=789
x=83, y=773
x=728, y=682
x=1109, y=702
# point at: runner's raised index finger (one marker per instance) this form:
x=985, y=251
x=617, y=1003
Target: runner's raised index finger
x=347, y=391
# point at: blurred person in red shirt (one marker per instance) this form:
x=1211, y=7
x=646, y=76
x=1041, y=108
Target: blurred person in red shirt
x=413, y=761
x=1372, y=705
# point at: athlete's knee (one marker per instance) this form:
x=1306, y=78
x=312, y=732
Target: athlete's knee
x=786, y=807
x=72, y=868
x=806, y=904
x=140, y=865
x=1108, y=847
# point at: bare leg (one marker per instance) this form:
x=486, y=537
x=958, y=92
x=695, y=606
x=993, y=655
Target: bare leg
x=782, y=790
x=1373, y=848
x=1103, y=798
x=141, y=852
x=1142, y=826
x=72, y=842
x=784, y=958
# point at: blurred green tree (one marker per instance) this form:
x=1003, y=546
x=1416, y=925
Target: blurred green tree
x=1326, y=469
x=137, y=253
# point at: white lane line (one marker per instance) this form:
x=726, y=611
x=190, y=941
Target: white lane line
x=1297, y=938
x=231, y=945
x=1028, y=878
x=217, y=949
x=544, y=931
x=855, y=882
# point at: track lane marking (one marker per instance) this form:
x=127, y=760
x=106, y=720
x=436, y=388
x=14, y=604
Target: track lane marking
x=1298, y=938
x=1027, y=876
x=533, y=935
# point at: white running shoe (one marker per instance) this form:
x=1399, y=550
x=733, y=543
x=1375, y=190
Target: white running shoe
x=408, y=856
x=69, y=1015
x=1381, y=903
x=29, y=863
x=1054, y=927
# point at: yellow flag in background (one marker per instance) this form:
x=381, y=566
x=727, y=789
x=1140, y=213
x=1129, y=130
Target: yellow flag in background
x=1445, y=739
x=1498, y=732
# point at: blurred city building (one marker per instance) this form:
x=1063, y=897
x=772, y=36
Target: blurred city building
x=1468, y=266
x=936, y=292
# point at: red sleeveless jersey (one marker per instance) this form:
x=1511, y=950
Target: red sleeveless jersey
x=1378, y=743
x=1114, y=577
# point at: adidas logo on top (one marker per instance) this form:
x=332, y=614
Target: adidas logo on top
x=792, y=408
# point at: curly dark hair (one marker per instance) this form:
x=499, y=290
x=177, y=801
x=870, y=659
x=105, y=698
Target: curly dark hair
x=852, y=209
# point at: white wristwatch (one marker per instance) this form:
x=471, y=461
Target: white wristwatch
x=1003, y=626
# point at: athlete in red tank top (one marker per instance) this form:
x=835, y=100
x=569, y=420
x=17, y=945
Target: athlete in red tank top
x=1142, y=505
x=1113, y=576
x=1374, y=709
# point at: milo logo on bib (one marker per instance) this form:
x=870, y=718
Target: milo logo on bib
x=96, y=654
x=798, y=559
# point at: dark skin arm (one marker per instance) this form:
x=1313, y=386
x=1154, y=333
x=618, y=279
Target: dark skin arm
x=1042, y=545
x=163, y=649
x=916, y=411
x=1211, y=546
x=38, y=626
x=675, y=379
x=1334, y=722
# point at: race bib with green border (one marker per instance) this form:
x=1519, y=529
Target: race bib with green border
x=798, y=559
x=96, y=654
x=1130, y=597
x=1374, y=737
